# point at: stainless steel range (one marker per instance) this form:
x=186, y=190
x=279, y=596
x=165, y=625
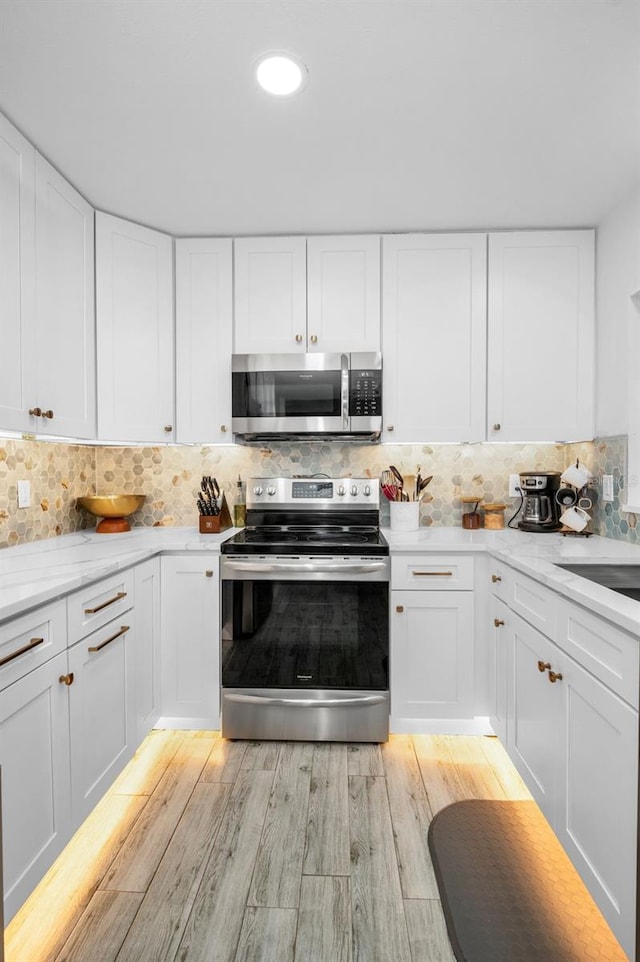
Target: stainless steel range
x=305, y=623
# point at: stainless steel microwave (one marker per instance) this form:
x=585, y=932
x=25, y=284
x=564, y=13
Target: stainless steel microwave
x=307, y=397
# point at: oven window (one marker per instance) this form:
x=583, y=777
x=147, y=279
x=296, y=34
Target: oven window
x=279, y=394
x=303, y=634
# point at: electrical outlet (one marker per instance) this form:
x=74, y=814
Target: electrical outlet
x=24, y=494
x=514, y=485
x=607, y=487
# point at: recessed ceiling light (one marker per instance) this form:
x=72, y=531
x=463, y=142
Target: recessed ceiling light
x=280, y=74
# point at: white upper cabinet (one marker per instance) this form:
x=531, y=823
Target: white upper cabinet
x=65, y=323
x=296, y=294
x=434, y=337
x=17, y=273
x=134, y=300
x=541, y=336
x=204, y=334
x=47, y=362
x=270, y=295
x=343, y=293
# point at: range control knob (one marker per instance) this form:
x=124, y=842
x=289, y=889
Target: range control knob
x=353, y=490
x=366, y=490
x=340, y=490
x=271, y=490
x=257, y=490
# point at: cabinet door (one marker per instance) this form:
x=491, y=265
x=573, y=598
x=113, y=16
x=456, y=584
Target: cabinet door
x=500, y=659
x=597, y=820
x=17, y=270
x=134, y=298
x=190, y=642
x=434, y=337
x=65, y=319
x=270, y=295
x=541, y=336
x=343, y=292
x=101, y=712
x=535, y=714
x=147, y=646
x=432, y=661
x=34, y=755
x=204, y=334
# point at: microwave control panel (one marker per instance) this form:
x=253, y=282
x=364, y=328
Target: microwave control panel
x=365, y=393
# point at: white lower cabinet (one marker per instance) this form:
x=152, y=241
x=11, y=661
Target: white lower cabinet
x=431, y=655
x=596, y=818
x=499, y=657
x=571, y=730
x=36, y=793
x=102, y=711
x=533, y=732
x=431, y=642
x=147, y=646
x=190, y=612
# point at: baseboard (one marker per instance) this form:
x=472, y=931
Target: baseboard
x=480, y=725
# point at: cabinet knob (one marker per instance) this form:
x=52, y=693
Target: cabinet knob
x=35, y=412
x=496, y=427
x=209, y=573
x=495, y=578
x=223, y=428
x=555, y=676
x=299, y=338
x=168, y=428
x=543, y=665
x=390, y=427
x=66, y=679
x=48, y=414
x=400, y=609
x=498, y=622
x=314, y=338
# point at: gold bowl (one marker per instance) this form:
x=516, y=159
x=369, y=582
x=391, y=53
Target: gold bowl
x=114, y=509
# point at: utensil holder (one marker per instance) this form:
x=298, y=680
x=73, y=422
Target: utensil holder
x=405, y=515
x=215, y=523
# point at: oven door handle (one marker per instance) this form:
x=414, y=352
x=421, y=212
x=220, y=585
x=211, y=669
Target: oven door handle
x=258, y=567
x=306, y=702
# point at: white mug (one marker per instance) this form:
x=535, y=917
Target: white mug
x=576, y=475
x=575, y=518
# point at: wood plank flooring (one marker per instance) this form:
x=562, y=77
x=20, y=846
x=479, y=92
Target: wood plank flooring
x=212, y=851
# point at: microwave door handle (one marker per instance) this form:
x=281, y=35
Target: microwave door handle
x=344, y=383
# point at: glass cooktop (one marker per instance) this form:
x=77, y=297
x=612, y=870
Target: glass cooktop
x=295, y=540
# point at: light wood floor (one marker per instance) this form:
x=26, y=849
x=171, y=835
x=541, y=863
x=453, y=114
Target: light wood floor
x=212, y=851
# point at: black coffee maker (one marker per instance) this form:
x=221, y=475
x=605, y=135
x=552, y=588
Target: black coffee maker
x=539, y=505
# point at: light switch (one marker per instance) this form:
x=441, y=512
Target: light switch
x=607, y=487
x=24, y=494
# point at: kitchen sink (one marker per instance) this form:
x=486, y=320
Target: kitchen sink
x=625, y=579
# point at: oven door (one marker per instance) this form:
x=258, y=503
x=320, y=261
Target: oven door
x=305, y=648
x=290, y=393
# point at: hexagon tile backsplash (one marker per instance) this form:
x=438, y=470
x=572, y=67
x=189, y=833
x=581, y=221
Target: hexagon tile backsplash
x=170, y=477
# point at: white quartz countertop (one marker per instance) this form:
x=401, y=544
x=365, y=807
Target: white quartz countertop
x=538, y=555
x=42, y=571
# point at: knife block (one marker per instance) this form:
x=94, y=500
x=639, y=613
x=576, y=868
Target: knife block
x=215, y=523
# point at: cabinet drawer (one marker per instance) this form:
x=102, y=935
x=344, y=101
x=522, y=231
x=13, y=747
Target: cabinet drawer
x=607, y=652
x=98, y=604
x=533, y=602
x=432, y=572
x=29, y=641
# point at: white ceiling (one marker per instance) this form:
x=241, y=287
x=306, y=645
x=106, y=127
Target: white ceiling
x=417, y=114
